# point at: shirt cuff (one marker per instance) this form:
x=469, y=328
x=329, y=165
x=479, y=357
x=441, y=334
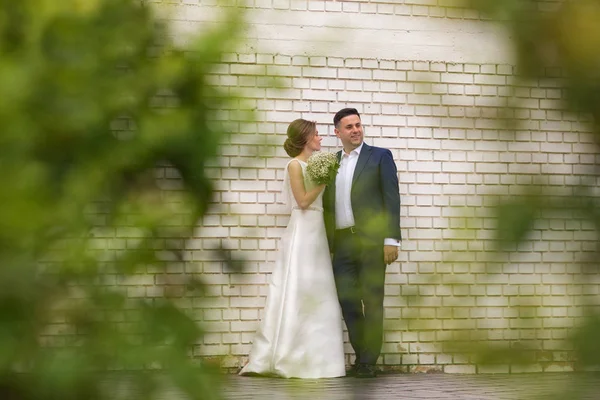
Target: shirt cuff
x=392, y=242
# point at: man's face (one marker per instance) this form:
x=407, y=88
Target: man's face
x=350, y=132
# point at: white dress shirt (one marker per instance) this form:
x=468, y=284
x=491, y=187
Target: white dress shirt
x=344, y=217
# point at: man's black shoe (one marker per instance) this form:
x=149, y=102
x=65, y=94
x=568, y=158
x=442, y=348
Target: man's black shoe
x=365, y=371
x=352, y=370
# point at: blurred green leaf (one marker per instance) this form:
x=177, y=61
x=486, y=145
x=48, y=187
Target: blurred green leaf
x=585, y=342
x=95, y=101
x=555, y=42
x=515, y=218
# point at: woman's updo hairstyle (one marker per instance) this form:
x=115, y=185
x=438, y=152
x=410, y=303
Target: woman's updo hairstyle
x=298, y=134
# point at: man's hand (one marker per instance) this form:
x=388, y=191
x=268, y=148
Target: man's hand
x=390, y=254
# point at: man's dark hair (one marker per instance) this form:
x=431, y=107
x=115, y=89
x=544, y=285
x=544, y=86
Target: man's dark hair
x=344, y=112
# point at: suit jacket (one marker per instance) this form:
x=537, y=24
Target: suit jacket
x=375, y=197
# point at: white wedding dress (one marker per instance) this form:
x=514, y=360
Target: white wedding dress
x=300, y=335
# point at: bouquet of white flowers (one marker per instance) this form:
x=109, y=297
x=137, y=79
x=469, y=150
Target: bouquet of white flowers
x=322, y=167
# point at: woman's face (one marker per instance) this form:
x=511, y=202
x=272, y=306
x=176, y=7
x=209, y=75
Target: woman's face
x=314, y=143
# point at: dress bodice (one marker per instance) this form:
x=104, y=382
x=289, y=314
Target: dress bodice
x=308, y=185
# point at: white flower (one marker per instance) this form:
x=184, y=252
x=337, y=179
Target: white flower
x=322, y=167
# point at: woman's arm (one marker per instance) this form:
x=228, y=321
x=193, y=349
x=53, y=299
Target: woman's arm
x=303, y=198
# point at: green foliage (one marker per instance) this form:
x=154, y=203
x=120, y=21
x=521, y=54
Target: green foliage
x=94, y=98
x=515, y=219
x=559, y=40
x=586, y=343
x=555, y=36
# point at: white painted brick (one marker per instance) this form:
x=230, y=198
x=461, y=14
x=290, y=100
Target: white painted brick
x=424, y=88
x=427, y=110
x=404, y=87
x=490, y=79
x=455, y=67
x=439, y=88
x=389, y=75
x=488, y=69
x=456, y=89
x=316, y=72
x=352, y=97
x=489, y=90
x=389, y=98
x=323, y=95
x=318, y=84
x=420, y=10
x=436, y=12
x=387, y=64
x=456, y=78
x=370, y=64
x=424, y=99
x=504, y=69
x=401, y=9
x=438, y=67
x=422, y=76
x=457, y=100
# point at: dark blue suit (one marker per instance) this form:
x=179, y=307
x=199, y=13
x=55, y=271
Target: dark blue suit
x=358, y=263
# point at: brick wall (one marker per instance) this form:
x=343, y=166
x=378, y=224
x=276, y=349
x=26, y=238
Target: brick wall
x=439, y=107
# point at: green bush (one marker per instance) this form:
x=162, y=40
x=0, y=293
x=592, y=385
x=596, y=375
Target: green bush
x=94, y=98
x=557, y=40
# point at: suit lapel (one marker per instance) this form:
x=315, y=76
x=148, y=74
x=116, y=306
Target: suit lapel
x=365, y=153
x=332, y=187
x=339, y=158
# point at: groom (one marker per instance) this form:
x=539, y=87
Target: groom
x=362, y=219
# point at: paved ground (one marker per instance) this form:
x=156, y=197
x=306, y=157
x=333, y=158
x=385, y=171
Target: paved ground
x=547, y=386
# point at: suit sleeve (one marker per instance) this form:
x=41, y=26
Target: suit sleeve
x=391, y=194
x=328, y=214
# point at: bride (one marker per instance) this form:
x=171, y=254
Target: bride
x=300, y=335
